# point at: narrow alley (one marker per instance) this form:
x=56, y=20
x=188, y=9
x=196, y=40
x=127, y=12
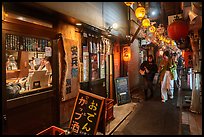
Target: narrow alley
x=153, y=117
x=102, y=68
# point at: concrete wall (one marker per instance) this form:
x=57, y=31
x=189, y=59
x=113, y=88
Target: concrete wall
x=133, y=67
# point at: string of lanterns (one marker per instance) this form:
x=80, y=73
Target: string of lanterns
x=153, y=34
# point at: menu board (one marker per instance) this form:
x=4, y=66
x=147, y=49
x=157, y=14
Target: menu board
x=122, y=90
x=86, y=113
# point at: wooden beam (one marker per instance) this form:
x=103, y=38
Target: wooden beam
x=135, y=35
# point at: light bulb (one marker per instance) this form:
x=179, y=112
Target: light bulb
x=115, y=26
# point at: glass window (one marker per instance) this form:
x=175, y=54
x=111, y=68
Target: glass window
x=28, y=65
x=94, y=52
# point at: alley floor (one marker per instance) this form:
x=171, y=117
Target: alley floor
x=152, y=117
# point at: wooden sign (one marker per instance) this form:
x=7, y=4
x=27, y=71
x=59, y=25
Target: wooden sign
x=86, y=113
x=122, y=90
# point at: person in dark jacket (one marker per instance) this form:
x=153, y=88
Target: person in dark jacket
x=150, y=68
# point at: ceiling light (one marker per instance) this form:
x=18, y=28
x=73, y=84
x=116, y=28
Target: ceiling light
x=78, y=24
x=153, y=13
x=20, y=18
x=115, y=26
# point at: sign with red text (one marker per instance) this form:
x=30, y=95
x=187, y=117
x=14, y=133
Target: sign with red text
x=86, y=113
x=126, y=53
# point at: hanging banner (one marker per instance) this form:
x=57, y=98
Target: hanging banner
x=68, y=63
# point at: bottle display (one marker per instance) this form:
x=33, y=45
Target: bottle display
x=15, y=42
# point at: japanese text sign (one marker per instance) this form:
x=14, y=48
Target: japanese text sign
x=122, y=90
x=86, y=113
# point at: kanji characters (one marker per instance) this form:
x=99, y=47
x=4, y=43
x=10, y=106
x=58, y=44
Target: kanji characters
x=75, y=127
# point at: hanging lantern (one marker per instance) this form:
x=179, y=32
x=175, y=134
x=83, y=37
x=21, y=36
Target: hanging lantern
x=152, y=29
x=145, y=23
x=168, y=41
x=140, y=12
x=161, y=37
x=177, y=30
x=173, y=43
x=126, y=53
x=129, y=3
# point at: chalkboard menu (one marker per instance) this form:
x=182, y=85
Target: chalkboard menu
x=122, y=91
x=86, y=113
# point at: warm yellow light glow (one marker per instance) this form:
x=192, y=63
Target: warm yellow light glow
x=161, y=37
x=126, y=53
x=164, y=39
x=129, y=3
x=145, y=22
x=152, y=29
x=115, y=26
x=161, y=52
x=168, y=41
x=3, y=13
x=173, y=43
x=78, y=24
x=140, y=12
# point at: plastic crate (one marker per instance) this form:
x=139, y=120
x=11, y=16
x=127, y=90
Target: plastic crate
x=109, y=109
x=53, y=130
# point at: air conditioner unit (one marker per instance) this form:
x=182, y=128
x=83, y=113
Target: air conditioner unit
x=173, y=17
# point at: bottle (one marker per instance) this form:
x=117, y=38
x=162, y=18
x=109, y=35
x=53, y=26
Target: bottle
x=27, y=85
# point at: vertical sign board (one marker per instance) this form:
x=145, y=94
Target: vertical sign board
x=86, y=113
x=122, y=90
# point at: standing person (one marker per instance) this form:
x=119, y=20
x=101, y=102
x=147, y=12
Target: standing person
x=174, y=68
x=166, y=77
x=32, y=64
x=45, y=65
x=149, y=68
x=180, y=66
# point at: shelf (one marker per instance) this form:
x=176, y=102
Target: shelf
x=11, y=80
x=32, y=90
x=42, y=52
x=11, y=74
x=12, y=71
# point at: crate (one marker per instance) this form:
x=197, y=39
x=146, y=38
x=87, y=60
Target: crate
x=109, y=109
x=53, y=130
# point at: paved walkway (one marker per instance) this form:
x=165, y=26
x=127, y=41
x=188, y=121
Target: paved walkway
x=120, y=113
x=152, y=118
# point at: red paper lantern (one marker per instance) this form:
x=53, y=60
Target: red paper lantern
x=178, y=29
